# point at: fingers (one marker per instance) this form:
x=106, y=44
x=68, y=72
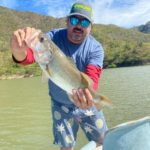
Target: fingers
x=88, y=97
x=82, y=98
x=75, y=98
x=31, y=36
x=25, y=36
x=28, y=32
x=19, y=36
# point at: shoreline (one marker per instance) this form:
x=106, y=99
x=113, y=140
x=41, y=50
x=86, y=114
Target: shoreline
x=10, y=77
x=19, y=76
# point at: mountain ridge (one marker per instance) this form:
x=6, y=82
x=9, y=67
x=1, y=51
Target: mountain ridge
x=145, y=28
x=123, y=47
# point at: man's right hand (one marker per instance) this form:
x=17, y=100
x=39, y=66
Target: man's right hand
x=19, y=41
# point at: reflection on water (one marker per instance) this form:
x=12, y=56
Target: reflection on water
x=25, y=118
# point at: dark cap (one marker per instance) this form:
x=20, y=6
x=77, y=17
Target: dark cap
x=82, y=9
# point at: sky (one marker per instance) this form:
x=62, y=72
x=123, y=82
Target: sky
x=124, y=13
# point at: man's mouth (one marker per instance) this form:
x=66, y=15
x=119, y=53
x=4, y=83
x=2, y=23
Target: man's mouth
x=77, y=30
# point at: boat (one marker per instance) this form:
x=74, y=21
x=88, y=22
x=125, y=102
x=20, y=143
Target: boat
x=132, y=135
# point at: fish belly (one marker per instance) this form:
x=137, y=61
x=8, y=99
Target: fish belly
x=62, y=77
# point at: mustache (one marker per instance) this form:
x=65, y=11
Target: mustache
x=78, y=29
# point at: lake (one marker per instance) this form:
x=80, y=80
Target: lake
x=25, y=117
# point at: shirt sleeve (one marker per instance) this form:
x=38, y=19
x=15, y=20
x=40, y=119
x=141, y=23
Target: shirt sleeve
x=96, y=55
x=94, y=72
x=94, y=63
x=51, y=34
x=28, y=60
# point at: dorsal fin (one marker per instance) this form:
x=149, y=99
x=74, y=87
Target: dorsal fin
x=72, y=63
x=87, y=82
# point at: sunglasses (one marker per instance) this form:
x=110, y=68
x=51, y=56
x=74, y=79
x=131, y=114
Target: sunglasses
x=75, y=21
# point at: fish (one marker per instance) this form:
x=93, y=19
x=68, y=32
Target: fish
x=63, y=72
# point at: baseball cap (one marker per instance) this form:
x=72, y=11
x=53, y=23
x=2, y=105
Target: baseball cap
x=83, y=9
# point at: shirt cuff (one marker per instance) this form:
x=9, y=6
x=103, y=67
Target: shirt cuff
x=28, y=60
x=17, y=61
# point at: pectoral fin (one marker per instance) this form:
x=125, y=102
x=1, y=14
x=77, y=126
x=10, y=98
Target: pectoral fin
x=48, y=70
x=44, y=78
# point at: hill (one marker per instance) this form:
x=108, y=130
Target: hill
x=12, y=20
x=123, y=47
x=144, y=28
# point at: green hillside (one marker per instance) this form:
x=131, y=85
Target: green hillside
x=123, y=47
x=144, y=28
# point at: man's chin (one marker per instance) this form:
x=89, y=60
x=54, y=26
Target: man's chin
x=77, y=41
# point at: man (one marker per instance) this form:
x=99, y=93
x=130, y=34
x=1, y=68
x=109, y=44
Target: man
x=76, y=42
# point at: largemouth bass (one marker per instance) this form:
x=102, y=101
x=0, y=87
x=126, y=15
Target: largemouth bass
x=62, y=71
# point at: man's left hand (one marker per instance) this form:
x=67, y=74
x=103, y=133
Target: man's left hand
x=82, y=98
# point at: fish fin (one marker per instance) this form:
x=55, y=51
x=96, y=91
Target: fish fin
x=44, y=77
x=87, y=82
x=70, y=97
x=98, y=106
x=103, y=101
x=48, y=70
x=46, y=74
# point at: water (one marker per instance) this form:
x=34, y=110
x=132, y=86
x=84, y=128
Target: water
x=129, y=89
x=25, y=118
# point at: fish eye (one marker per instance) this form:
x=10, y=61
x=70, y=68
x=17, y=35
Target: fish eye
x=41, y=39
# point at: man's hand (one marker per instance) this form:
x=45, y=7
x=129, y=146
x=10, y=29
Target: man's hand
x=19, y=41
x=82, y=98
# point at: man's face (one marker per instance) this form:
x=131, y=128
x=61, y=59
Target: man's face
x=78, y=28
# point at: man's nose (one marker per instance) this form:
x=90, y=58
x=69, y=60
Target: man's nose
x=79, y=26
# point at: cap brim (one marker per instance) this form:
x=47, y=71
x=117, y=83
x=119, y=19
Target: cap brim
x=72, y=14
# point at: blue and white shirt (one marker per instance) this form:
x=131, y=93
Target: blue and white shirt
x=88, y=52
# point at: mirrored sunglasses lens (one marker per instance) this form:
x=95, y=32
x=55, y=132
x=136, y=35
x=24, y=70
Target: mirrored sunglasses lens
x=74, y=21
x=85, y=23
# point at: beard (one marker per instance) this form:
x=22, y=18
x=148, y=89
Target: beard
x=78, y=34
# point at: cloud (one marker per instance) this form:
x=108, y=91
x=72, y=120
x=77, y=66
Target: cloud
x=126, y=13
x=9, y=3
x=55, y=8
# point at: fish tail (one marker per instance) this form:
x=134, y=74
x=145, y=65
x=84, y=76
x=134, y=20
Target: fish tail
x=103, y=101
